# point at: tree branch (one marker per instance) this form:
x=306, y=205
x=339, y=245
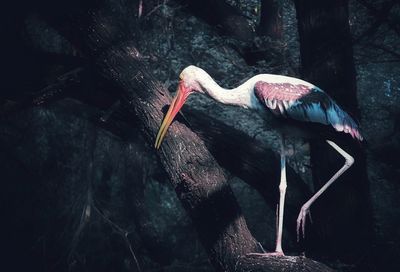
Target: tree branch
x=56, y=90
x=257, y=263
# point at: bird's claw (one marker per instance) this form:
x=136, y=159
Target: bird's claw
x=301, y=221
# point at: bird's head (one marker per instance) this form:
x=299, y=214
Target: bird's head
x=188, y=84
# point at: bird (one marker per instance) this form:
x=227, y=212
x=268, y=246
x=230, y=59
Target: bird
x=287, y=98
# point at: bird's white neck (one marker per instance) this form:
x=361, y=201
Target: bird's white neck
x=242, y=95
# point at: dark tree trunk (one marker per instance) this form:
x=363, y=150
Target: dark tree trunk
x=271, y=19
x=326, y=48
x=343, y=214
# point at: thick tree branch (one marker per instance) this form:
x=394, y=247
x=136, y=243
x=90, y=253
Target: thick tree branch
x=257, y=263
x=56, y=90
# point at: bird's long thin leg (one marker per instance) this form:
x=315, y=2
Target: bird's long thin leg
x=282, y=193
x=301, y=219
x=280, y=208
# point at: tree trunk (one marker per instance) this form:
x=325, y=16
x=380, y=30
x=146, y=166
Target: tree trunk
x=327, y=61
x=271, y=19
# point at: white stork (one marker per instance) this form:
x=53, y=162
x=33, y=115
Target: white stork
x=284, y=96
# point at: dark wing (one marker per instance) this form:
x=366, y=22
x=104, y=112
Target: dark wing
x=307, y=104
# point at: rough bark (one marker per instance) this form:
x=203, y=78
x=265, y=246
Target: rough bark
x=254, y=263
x=327, y=61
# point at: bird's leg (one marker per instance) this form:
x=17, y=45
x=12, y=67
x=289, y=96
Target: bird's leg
x=282, y=193
x=280, y=208
x=301, y=219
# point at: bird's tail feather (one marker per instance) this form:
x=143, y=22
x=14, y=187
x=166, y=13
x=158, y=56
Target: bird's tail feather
x=342, y=121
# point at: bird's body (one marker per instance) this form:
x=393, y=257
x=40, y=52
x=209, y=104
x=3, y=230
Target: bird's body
x=288, y=98
x=244, y=95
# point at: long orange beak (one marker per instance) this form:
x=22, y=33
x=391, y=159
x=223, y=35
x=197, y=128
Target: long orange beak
x=174, y=108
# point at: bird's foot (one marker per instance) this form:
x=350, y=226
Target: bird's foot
x=301, y=221
x=268, y=254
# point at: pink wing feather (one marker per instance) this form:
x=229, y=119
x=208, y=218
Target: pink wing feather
x=304, y=103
